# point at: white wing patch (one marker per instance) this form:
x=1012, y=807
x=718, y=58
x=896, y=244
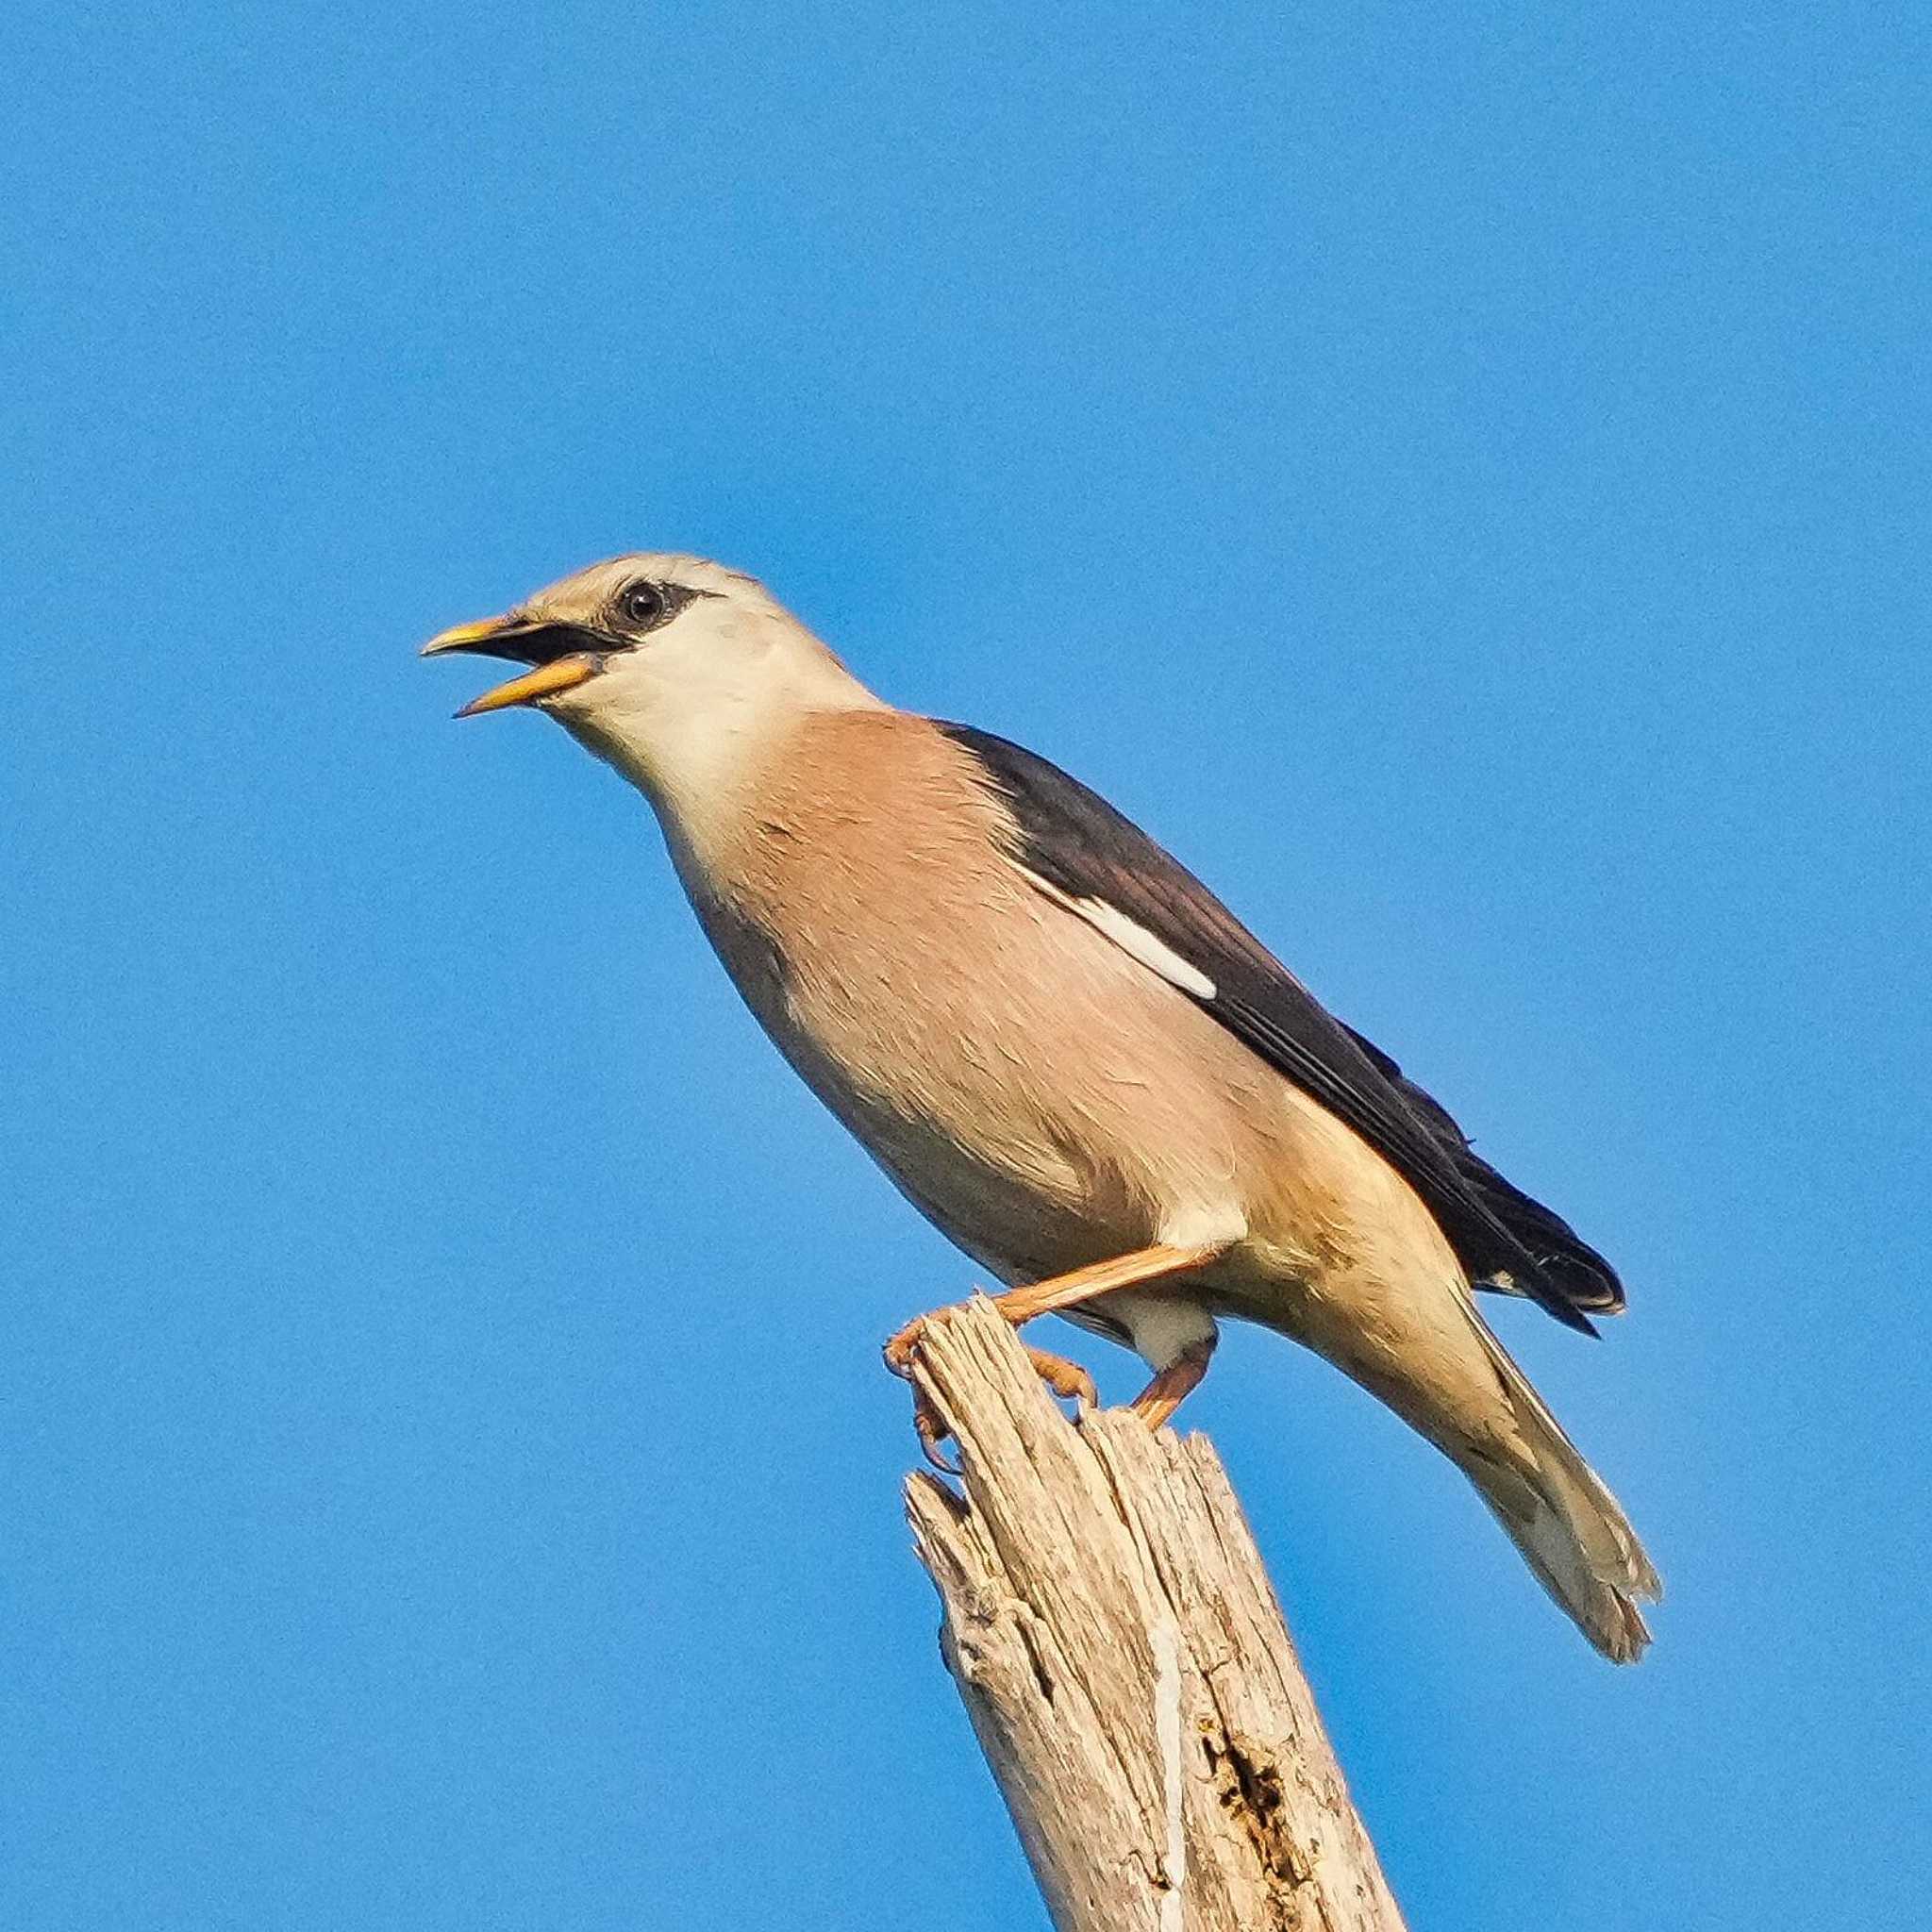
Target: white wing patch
x=1129, y=935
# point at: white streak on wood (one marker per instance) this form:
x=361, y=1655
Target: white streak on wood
x=1167, y=1728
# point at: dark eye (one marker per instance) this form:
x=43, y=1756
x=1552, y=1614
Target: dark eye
x=642, y=605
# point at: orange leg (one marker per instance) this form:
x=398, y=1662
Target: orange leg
x=1172, y=1386
x=1021, y=1305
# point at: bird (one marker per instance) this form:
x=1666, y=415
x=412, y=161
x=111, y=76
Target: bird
x=1066, y=1052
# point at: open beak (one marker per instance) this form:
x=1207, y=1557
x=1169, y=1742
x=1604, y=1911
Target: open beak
x=547, y=647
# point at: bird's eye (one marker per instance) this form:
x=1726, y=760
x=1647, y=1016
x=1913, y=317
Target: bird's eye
x=642, y=605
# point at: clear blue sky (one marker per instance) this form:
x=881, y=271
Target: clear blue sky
x=1458, y=475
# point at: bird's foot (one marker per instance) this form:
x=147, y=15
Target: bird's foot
x=928, y=1424
x=900, y=1348
x=1065, y=1378
x=1062, y=1376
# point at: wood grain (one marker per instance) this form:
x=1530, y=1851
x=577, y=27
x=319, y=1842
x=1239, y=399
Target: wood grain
x=1125, y=1666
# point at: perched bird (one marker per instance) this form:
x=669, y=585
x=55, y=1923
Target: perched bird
x=1065, y=1051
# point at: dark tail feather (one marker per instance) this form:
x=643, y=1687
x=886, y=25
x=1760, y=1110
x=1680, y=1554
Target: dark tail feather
x=1575, y=1276
x=1568, y=1264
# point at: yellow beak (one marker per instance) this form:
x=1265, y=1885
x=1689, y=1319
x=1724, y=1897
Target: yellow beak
x=546, y=681
x=466, y=636
x=561, y=673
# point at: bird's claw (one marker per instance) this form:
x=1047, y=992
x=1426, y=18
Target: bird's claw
x=900, y=1348
x=1064, y=1377
x=930, y=1427
x=928, y=1424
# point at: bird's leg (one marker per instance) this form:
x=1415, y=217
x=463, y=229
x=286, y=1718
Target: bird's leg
x=1174, y=1384
x=1021, y=1305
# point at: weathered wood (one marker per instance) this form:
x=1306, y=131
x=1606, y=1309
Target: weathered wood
x=1125, y=1666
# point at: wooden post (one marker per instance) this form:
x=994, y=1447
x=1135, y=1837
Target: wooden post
x=1125, y=1667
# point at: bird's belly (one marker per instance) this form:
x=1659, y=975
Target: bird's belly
x=1010, y=1126
x=995, y=1178
x=1043, y=1098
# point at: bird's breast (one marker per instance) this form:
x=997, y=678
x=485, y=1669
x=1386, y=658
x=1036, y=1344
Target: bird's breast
x=1037, y=1093
x=940, y=1069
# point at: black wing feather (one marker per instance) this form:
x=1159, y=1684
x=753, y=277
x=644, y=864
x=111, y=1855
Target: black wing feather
x=1079, y=844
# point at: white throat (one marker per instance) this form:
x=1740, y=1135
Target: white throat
x=695, y=740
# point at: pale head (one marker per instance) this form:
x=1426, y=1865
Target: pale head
x=677, y=671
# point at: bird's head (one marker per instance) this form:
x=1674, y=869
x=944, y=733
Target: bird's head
x=670, y=667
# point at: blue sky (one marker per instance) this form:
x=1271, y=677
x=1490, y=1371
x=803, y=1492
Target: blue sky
x=1456, y=474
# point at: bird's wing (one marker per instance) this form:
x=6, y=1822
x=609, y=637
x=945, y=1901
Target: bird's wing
x=1077, y=849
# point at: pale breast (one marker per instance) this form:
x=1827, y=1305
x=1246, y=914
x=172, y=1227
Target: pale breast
x=1038, y=1093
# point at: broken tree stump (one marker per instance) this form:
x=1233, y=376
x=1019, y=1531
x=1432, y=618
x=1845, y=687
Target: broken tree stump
x=1125, y=1666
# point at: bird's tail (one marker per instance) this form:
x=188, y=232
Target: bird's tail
x=1568, y=1526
